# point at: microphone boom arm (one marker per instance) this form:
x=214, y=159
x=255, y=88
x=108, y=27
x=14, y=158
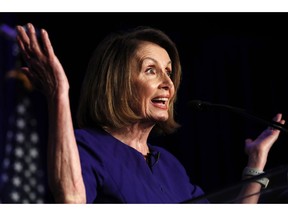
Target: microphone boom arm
x=200, y=105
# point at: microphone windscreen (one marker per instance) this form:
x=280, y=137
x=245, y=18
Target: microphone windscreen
x=198, y=105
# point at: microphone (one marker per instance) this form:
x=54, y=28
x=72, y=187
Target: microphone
x=152, y=158
x=199, y=105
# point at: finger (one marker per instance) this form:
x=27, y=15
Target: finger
x=23, y=42
x=31, y=76
x=34, y=44
x=47, y=46
x=278, y=117
x=24, y=38
x=21, y=46
x=23, y=35
x=20, y=43
x=28, y=73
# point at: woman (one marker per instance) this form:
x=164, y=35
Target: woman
x=129, y=90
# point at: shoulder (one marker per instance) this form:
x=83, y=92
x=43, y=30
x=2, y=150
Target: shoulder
x=96, y=141
x=86, y=133
x=90, y=135
x=92, y=140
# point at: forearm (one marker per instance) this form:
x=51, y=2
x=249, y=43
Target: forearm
x=65, y=177
x=47, y=74
x=250, y=192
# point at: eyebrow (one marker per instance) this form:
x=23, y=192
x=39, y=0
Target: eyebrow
x=152, y=59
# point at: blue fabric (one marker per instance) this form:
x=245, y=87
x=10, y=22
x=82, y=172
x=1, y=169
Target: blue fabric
x=114, y=172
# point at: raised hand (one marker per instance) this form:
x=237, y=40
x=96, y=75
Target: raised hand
x=43, y=67
x=258, y=149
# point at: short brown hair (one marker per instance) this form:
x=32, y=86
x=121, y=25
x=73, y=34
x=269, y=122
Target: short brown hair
x=107, y=92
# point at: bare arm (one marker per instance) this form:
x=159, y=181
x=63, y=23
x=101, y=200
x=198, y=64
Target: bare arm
x=46, y=73
x=257, y=152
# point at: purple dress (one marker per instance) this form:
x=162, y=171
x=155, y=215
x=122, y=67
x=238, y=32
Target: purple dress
x=114, y=172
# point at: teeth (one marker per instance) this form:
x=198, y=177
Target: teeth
x=161, y=99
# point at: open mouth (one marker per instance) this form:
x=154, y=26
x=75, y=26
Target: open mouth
x=160, y=100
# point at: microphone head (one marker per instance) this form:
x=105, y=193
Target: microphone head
x=198, y=105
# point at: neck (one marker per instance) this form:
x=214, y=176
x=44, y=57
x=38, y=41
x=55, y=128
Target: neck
x=134, y=137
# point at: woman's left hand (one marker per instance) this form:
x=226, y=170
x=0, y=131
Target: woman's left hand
x=258, y=149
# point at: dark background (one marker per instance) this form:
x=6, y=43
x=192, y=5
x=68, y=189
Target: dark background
x=238, y=59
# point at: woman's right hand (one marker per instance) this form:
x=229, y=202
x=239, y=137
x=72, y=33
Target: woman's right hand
x=44, y=69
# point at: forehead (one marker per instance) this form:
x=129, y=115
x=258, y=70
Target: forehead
x=149, y=49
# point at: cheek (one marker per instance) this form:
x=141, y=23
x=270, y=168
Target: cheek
x=142, y=97
x=145, y=97
x=145, y=90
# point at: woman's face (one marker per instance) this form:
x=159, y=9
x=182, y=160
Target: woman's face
x=151, y=76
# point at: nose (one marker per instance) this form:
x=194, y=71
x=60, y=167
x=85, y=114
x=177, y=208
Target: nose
x=166, y=82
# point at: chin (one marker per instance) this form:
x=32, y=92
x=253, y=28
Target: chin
x=161, y=118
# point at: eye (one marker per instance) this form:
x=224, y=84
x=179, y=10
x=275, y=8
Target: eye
x=169, y=73
x=150, y=71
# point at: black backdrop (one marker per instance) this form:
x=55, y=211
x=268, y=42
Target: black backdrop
x=238, y=59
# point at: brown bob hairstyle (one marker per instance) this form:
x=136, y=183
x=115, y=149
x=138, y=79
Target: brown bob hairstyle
x=107, y=90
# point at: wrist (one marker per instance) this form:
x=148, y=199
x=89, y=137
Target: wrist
x=58, y=98
x=249, y=172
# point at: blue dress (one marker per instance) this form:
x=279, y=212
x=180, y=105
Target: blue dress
x=114, y=172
